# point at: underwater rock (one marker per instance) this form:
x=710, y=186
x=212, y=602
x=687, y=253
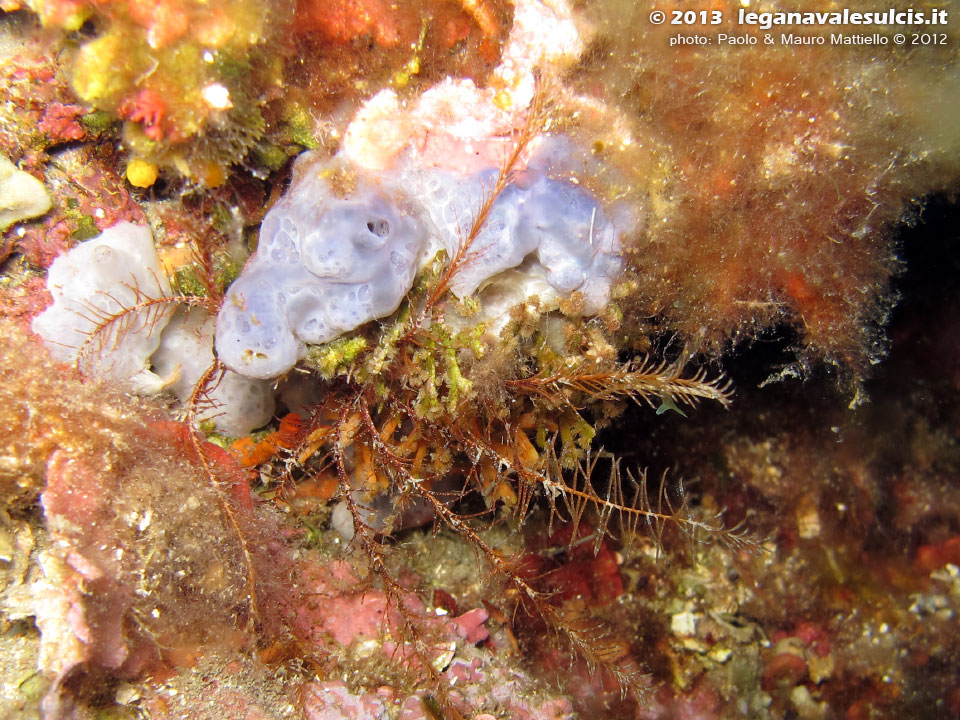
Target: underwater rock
x=340, y=615
x=22, y=196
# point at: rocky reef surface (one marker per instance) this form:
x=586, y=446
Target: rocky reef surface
x=478, y=358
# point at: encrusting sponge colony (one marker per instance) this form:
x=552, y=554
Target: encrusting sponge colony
x=327, y=264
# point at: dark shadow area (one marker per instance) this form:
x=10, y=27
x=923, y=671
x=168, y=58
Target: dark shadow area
x=924, y=333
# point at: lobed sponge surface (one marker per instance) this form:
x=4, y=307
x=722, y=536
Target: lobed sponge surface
x=98, y=279
x=327, y=264
x=324, y=265
x=554, y=227
x=236, y=404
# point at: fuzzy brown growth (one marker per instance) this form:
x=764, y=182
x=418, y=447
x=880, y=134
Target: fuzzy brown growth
x=43, y=408
x=132, y=510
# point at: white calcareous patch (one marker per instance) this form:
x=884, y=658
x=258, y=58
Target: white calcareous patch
x=22, y=196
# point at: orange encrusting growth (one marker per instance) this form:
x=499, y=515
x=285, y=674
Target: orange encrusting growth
x=286, y=437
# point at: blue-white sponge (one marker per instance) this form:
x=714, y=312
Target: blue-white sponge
x=329, y=261
x=324, y=265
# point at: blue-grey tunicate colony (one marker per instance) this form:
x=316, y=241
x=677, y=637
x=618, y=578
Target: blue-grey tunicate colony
x=327, y=264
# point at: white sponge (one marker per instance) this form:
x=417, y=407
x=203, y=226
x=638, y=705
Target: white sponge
x=239, y=404
x=553, y=228
x=102, y=279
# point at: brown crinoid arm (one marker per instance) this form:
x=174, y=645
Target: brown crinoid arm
x=642, y=381
x=534, y=123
